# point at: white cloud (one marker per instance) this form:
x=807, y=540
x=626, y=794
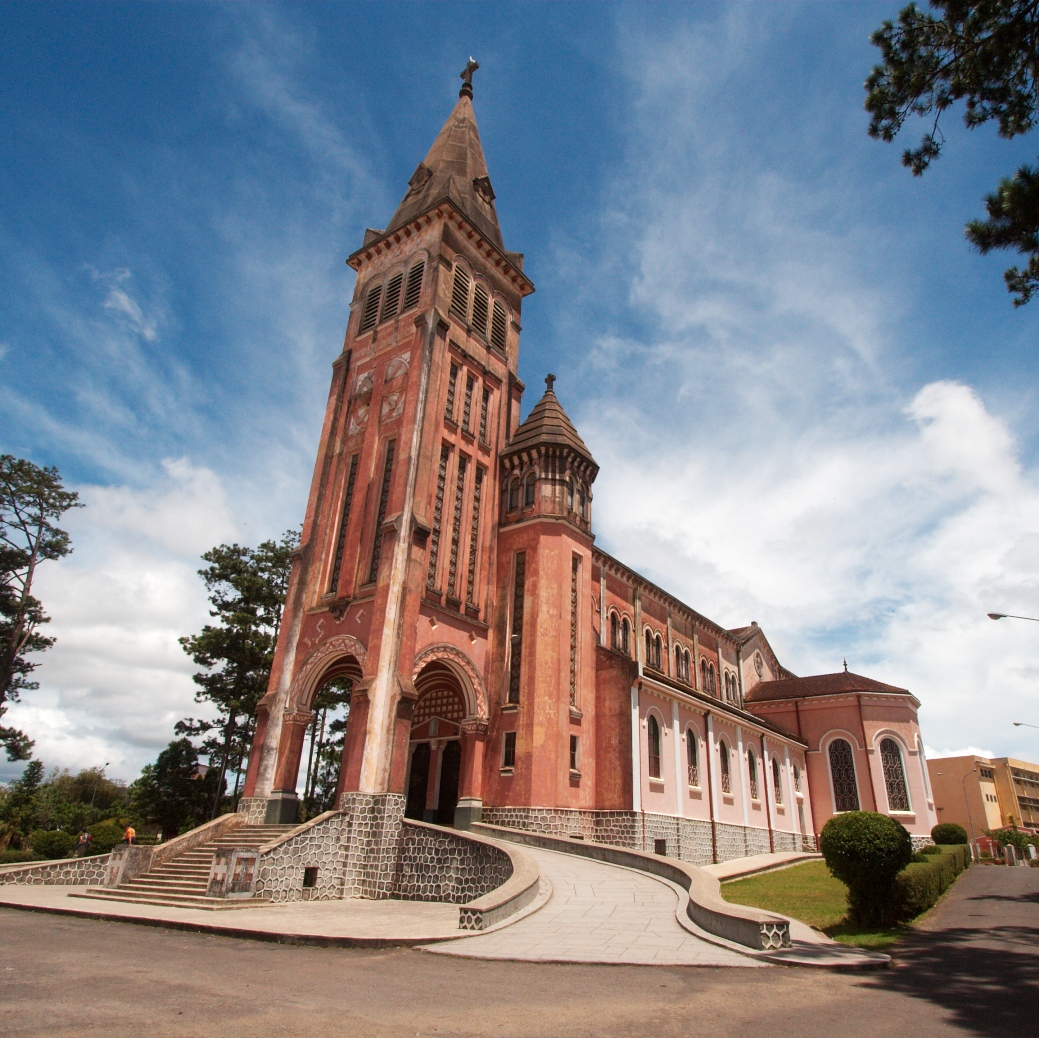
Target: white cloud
x=122, y=305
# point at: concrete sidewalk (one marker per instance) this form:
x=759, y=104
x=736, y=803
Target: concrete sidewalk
x=756, y=863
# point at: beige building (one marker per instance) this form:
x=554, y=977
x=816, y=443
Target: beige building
x=982, y=793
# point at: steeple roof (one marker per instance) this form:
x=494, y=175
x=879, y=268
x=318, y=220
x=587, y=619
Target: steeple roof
x=548, y=423
x=456, y=171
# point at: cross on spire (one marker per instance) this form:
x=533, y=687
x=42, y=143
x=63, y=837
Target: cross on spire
x=549, y=380
x=845, y=666
x=466, y=75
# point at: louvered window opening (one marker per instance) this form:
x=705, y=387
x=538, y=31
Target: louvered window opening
x=777, y=785
x=653, y=743
x=485, y=405
x=438, y=515
x=452, y=384
x=516, y=640
x=370, y=312
x=842, y=771
x=384, y=496
x=344, y=522
x=460, y=295
x=723, y=759
x=392, y=296
x=752, y=774
x=691, y=757
x=575, y=575
x=498, y=326
x=456, y=526
x=413, y=290
x=894, y=776
x=481, y=308
x=467, y=403
x=474, y=537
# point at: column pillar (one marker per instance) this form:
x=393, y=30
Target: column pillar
x=353, y=742
x=283, y=803
x=470, y=785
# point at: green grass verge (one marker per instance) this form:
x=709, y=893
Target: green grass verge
x=808, y=892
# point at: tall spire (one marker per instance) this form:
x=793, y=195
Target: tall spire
x=454, y=170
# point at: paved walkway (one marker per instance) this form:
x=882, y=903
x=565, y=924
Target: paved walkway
x=598, y=913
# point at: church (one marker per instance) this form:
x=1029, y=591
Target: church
x=503, y=667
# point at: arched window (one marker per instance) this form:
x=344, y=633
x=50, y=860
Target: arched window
x=691, y=756
x=582, y=500
x=614, y=632
x=413, y=289
x=797, y=779
x=723, y=760
x=728, y=686
x=481, y=303
x=678, y=662
x=370, y=311
x=703, y=675
x=625, y=637
x=710, y=678
x=658, y=648
x=653, y=737
x=649, y=647
x=391, y=297
x=688, y=673
x=528, y=490
x=776, y=784
x=842, y=772
x=752, y=774
x=460, y=294
x=499, y=322
x=894, y=776
x=569, y=495
x=514, y=491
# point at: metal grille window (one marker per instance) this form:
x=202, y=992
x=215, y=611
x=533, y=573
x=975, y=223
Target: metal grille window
x=370, y=312
x=499, y=324
x=842, y=771
x=456, y=526
x=776, y=784
x=452, y=384
x=344, y=522
x=752, y=774
x=575, y=580
x=460, y=294
x=438, y=515
x=392, y=296
x=516, y=646
x=467, y=404
x=691, y=754
x=485, y=405
x=413, y=289
x=508, y=750
x=894, y=776
x=481, y=304
x=723, y=759
x=653, y=743
x=474, y=536
x=384, y=496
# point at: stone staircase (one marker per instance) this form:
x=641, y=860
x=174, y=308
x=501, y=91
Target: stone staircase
x=183, y=881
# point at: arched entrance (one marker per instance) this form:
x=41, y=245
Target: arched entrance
x=435, y=757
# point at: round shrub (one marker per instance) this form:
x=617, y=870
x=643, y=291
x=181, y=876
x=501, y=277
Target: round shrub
x=931, y=848
x=866, y=851
x=106, y=835
x=949, y=833
x=51, y=843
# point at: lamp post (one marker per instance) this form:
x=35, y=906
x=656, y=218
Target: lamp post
x=1011, y=616
x=97, y=781
x=1024, y=724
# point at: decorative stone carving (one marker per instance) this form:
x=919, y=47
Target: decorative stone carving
x=472, y=684
x=397, y=367
x=358, y=419
x=305, y=682
x=392, y=406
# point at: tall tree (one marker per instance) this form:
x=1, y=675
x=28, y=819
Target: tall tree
x=247, y=589
x=986, y=55
x=32, y=500
x=172, y=792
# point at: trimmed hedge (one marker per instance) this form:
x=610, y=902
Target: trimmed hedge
x=918, y=886
x=9, y=857
x=52, y=843
x=949, y=833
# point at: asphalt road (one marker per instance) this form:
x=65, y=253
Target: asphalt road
x=974, y=970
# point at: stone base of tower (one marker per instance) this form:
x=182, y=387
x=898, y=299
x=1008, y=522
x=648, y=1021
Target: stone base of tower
x=375, y=826
x=280, y=808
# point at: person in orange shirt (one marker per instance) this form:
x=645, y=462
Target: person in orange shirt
x=129, y=834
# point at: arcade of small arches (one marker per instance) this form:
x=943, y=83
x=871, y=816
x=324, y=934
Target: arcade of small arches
x=519, y=492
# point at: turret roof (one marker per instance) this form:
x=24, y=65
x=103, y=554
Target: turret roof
x=548, y=423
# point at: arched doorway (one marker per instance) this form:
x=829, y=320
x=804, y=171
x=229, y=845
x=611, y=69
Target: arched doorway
x=435, y=758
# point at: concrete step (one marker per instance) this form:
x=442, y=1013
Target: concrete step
x=209, y=904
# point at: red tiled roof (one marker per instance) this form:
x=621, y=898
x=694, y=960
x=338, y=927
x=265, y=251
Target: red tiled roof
x=817, y=685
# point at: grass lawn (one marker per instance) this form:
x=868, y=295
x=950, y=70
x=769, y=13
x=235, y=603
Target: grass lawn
x=808, y=892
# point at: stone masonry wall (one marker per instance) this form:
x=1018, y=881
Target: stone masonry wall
x=70, y=871
x=442, y=866
x=279, y=873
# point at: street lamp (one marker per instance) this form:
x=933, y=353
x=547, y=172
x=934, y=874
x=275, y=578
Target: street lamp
x=97, y=782
x=1011, y=616
x=1024, y=724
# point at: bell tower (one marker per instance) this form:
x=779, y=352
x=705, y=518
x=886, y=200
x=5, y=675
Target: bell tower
x=396, y=565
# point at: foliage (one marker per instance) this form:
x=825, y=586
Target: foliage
x=247, y=588
x=949, y=833
x=172, y=793
x=326, y=745
x=9, y=857
x=866, y=851
x=933, y=848
x=52, y=843
x=32, y=500
x=983, y=54
x=105, y=835
x=1011, y=837
x=919, y=886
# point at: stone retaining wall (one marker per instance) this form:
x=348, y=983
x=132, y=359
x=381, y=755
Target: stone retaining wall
x=279, y=872
x=444, y=866
x=69, y=871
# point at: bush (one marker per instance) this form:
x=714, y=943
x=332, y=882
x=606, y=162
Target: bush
x=918, y=886
x=1011, y=838
x=931, y=849
x=866, y=851
x=106, y=835
x=9, y=857
x=949, y=833
x=52, y=843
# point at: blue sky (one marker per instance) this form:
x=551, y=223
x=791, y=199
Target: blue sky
x=812, y=405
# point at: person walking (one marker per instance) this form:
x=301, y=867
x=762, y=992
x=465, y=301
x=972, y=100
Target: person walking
x=83, y=844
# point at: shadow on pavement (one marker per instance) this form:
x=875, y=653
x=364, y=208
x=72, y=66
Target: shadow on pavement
x=987, y=981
